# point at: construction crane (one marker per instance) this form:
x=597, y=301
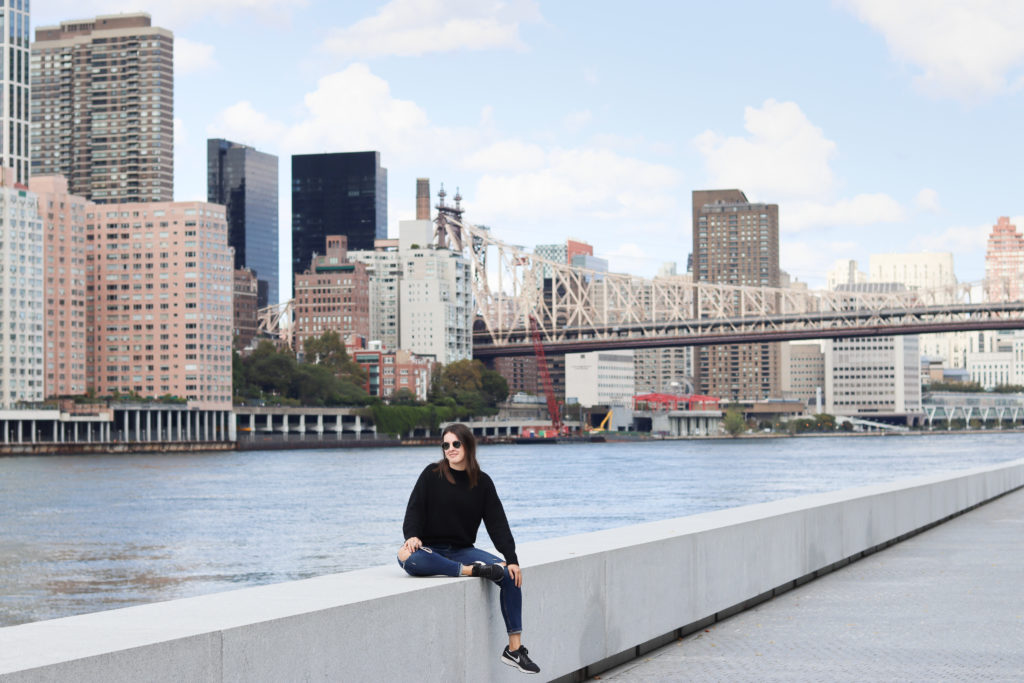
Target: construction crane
x=542, y=367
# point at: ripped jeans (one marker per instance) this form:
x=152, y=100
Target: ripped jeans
x=448, y=561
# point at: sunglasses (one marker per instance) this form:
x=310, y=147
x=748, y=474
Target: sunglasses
x=454, y=444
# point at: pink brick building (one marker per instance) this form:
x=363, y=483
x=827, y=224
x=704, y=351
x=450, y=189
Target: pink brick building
x=1004, y=262
x=159, y=283
x=332, y=295
x=64, y=237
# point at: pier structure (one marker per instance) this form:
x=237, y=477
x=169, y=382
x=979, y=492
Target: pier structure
x=87, y=427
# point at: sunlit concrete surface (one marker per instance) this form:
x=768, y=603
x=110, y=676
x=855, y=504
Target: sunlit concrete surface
x=947, y=604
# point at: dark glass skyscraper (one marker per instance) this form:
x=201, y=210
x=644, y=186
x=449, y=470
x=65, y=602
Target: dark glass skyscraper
x=337, y=194
x=245, y=181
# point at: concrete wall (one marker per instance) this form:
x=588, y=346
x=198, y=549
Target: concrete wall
x=591, y=600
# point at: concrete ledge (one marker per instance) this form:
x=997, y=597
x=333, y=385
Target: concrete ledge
x=591, y=600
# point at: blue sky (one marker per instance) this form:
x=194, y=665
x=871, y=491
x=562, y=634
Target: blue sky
x=877, y=126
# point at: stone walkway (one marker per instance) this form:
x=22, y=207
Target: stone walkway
x=945, y=605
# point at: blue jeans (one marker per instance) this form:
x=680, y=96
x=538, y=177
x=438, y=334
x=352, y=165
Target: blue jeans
x=448, y=561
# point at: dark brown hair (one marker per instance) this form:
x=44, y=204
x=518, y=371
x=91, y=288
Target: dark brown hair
x=465, y=435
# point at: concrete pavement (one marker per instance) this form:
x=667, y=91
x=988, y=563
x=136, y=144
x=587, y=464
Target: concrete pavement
x=947, y=604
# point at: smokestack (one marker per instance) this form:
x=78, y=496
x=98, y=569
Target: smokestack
x=423, y=199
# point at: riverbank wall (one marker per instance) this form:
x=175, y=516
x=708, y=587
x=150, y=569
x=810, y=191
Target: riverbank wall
x=591, y=601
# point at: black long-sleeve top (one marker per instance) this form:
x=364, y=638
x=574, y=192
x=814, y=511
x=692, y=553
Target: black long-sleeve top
x=443, y=513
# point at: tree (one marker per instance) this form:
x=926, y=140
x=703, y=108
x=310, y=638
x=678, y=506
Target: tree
x=733, y=422
x=328, y=350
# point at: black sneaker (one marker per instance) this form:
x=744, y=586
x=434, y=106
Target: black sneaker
x=494, y=572
x=520, y=659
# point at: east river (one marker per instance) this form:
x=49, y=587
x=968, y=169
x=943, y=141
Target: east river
x=86, y=533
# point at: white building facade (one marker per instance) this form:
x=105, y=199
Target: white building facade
x=421, y=298
x=867, y=376
x=21, y=295
x=600, y=377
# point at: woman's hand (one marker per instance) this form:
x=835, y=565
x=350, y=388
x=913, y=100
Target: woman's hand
x=412, y=544
x=516, y=574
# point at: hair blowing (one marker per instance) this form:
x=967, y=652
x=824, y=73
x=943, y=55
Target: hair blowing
x=465, y=435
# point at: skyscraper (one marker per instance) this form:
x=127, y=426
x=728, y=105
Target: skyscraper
x=244, y=180
x=14, y=84
x=736, y=242
x=103, y=107
x=345, y=193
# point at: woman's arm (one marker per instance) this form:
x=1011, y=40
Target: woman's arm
x=416, y=510
x=497, y=524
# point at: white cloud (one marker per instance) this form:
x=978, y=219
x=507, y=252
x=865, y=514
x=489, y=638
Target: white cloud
x=168, y=13
x=352, y=109
x=416, y=27
x=786, y=159
x=242, y=123
x=629, y=257
x=581, y=183
x=785, y=155
x=927, y=200
x=590, y=75
x=957, y=239
x=190, y=57
x=576, y=121
x=507, y=155
x=862, y=209
x=963, y=48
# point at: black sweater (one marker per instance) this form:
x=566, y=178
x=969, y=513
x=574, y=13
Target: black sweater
x=444, y=513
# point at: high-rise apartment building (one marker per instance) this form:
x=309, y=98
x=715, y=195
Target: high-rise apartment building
x=21, y=294
x=14, y=85
x=337, y=194
x=1004, y=262
x=332, y=295
x=736, y=242
x=103, y=108
x=160, y=277
x=244, y=180
x=64, y=271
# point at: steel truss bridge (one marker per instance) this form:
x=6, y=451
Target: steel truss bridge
x=577, y=309
x=584, y=310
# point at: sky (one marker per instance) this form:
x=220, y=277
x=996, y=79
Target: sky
x=876, y=126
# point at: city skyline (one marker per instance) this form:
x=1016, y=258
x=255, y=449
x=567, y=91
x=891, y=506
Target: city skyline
x=873, y=128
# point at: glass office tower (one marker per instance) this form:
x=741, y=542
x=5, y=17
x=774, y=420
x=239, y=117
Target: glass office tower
x=337, y=194
x=14, y=88
x=245, y=181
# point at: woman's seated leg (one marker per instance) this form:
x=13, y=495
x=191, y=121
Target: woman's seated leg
x=428, y=562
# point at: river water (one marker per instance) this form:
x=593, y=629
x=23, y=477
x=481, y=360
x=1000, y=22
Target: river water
x=86, y=533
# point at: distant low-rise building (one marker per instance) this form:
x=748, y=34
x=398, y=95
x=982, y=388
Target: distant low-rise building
x=803, y=373
x=332, y=295
x=600, y=378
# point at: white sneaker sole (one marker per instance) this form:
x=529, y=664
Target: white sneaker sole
x=516, y=665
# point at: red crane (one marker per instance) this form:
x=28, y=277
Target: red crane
x=542, y=367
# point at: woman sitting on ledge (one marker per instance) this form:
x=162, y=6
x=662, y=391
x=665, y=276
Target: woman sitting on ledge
x=445, y=509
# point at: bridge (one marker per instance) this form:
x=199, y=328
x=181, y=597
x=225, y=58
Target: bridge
x=578, y=309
